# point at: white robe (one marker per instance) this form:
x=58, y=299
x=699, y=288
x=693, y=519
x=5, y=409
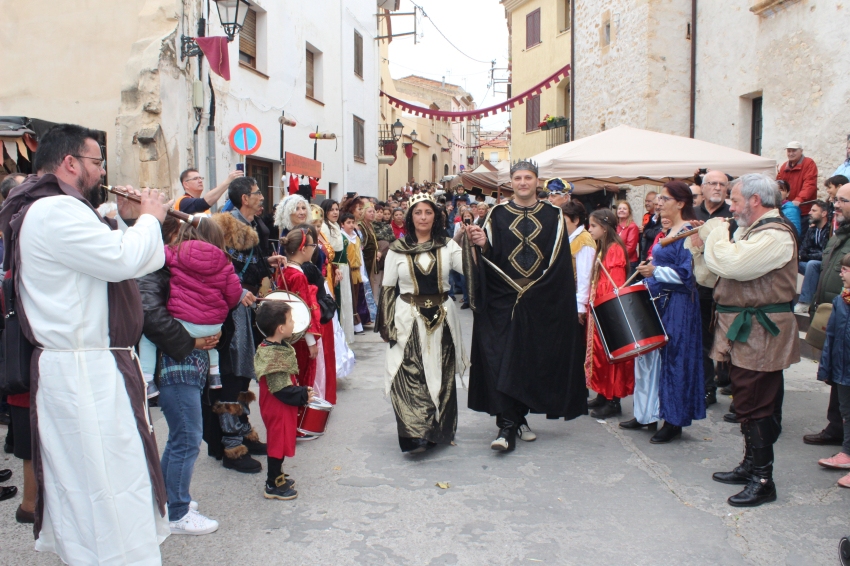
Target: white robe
x=346, y=306
x=99, y=506
x=397, y=270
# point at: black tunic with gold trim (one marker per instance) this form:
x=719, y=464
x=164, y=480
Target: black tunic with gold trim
x=527, y=345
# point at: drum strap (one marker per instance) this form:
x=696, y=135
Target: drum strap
x=739, y=330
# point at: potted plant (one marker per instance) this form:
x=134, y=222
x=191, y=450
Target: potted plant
x=544, y=125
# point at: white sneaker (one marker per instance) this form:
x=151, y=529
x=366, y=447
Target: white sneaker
x=801, y=308
x=193, y=523
x=525, y=433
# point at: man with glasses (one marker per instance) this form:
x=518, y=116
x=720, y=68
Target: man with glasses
x=193, y=184
x=715, y=185
x=696, y=190
x=829, y=287
x=101, y=496
x=651, y=224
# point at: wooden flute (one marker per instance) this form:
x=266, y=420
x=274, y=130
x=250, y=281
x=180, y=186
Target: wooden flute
x=680, y=236
x=193, y=219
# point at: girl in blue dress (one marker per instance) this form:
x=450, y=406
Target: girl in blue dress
x=670, y=278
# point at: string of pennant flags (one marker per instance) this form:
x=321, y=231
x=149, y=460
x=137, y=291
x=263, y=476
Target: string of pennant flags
x=448, y=116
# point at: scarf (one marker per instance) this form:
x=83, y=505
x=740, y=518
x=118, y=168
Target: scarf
x=401, y=246
x=277, y=362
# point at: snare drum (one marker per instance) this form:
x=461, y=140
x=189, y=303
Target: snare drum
x=300, y=312
x=628, y=323
x=313, y=418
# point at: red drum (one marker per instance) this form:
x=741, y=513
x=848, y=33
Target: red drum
x=628, y=323
x=313, y=419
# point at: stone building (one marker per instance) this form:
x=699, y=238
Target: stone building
x=117, y=67
x=539, y=46
x=747, y=74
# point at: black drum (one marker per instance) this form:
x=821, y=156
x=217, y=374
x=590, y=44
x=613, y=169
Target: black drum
x=628, y=323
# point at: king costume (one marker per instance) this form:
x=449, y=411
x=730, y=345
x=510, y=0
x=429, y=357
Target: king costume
x=527, y=345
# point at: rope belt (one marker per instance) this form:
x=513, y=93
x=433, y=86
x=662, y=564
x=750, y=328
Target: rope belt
x=132, y=351
x=424, y=301
x=739, y=330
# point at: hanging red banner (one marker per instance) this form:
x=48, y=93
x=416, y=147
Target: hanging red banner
x=479, y=112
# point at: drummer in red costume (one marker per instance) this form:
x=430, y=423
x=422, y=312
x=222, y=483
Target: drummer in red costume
x=298, y=247
x=280, y=395
x=611, y=382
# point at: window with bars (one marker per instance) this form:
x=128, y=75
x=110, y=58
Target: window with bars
x=532, y=28
x=532, y=114
x=358, y=54
x=311, y=76
x=248, y=40
x=359, y=140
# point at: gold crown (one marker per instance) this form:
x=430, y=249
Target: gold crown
x=316, y=212
x=419, y=197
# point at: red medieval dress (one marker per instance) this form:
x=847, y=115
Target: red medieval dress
x=296, y=282
x=609, y=380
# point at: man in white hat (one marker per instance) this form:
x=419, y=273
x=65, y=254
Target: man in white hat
x=801, y=174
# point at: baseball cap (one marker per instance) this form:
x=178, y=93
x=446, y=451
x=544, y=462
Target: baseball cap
x=794, y=145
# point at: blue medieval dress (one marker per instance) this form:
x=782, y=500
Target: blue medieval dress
x=680, y=383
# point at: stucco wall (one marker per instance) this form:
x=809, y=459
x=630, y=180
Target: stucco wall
x=532, y=65
x=797, y=59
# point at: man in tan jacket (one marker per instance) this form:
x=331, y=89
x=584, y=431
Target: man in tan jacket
x=756, y=330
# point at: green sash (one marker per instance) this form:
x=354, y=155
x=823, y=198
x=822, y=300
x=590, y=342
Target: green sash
x=740, y=329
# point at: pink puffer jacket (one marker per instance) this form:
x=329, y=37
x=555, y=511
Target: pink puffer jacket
x=204, y=286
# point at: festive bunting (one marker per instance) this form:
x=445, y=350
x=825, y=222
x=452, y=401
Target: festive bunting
x=479, y=112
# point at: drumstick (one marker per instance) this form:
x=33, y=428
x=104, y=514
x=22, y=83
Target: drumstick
x=635, y=274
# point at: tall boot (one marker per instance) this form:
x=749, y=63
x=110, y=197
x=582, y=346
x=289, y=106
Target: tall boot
x=611, y=408
x=506, y=441
x=743, y=472
x=761, y=434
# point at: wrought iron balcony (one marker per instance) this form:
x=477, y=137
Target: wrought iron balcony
x=557, y=136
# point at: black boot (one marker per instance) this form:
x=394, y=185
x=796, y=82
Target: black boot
x=742, y=473
x=635, y=425
x=597, y=402
x=506, y=441
x=667, y=433
x=609, y=409
x=761, y=434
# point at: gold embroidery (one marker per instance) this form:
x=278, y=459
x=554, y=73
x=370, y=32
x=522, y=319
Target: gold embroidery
x=412, y=273
x=526, y=242
x=430, y=265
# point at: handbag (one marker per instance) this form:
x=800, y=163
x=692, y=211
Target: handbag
x=15, y=350
x=327, y=308
x=816, y=334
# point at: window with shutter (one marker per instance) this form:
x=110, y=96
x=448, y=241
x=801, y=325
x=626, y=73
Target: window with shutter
x=248, y=40
x=310, y=76
x=532, y=28
x=359, y=139
x=358, y=54
x=532, y=114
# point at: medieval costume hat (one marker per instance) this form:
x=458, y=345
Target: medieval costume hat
x=524, y=165
x=316, y=213
x=558, y=186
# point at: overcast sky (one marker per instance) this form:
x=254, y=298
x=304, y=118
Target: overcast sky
x=477, y=27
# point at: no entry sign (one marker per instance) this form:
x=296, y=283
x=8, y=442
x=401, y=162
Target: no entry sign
x=245, y=139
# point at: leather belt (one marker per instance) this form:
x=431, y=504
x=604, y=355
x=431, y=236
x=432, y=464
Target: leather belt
x=426, y=301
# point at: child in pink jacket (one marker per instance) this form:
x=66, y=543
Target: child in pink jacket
x=204, y=288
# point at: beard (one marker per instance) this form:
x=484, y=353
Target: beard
x=744, y=218
x=92, y=191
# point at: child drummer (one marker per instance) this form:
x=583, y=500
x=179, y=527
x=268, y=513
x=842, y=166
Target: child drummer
x=280, y=396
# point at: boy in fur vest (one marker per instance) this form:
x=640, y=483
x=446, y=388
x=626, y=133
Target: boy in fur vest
x=277, y=368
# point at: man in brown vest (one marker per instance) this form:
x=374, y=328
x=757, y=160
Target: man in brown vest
x=756, y=330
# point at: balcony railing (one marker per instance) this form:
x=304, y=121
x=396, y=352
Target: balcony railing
x=557, y=136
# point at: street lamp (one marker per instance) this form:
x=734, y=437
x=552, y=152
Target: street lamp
x=398, y=129
x=413, y=136
x=231, y=14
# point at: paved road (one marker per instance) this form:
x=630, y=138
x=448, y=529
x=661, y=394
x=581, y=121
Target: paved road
x=584, y=493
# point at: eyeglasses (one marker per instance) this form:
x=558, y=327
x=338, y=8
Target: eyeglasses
x=715, y=184
x=98, y=161
x=194, y=179
x=310, y=245
x=663, y=198
x=257, y=192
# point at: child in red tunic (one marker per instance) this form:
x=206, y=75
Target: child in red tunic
x=280, y=394
x=610, y=381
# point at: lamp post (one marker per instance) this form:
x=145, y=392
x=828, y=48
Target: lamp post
x=398, y=129
x=414, y=136
x=231, y=14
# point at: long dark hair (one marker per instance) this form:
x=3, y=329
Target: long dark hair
x=438, y=228
x=606, y=218
x=681, y=192
x=327, y=205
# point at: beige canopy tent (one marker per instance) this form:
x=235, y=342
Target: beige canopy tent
x=488, y=177
x=625, y=155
